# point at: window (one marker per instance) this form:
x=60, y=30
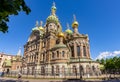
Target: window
x=74, y=69
x=57, y=53
x=57, y=41
x=63, y=53
x=52, y=70
x=57, y=69
x=53, y=55
x=72, y=51
x=78, y=50
x=84, y=50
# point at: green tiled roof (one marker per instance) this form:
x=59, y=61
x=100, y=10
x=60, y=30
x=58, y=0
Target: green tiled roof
x=60, y=46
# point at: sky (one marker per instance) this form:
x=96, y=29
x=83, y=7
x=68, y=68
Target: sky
x=100, y=19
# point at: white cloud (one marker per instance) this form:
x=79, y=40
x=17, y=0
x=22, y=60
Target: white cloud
x=108, y=54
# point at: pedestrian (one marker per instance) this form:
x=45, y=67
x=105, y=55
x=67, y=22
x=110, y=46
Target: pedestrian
x=19, y=76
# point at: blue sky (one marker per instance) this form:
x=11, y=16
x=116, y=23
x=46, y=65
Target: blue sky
x=100, y=19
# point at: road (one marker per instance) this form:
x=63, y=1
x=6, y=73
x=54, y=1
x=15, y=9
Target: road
x=45, y=80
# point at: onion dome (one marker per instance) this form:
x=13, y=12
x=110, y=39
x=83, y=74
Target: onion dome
x=60, y=34
x=75, y=23
x=68, y=31
x=53, y=18
x=41, y=28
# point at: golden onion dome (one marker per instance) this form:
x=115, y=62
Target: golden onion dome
x=60, y=34
x=75, y=24
x=41, y=28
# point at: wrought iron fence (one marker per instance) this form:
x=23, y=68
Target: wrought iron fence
x=66, y=73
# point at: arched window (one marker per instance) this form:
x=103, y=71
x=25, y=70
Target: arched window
x=74, y=69
x=53, y=55
x=52, y=70
x=84, y=50
x=78, y=51
x=42, y=70
x=63, y=53
x=57, y=69
x=72, y=51
x=63, y=69
x=57, y=53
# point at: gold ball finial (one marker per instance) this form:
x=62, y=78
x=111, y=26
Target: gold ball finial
x=75, y=23
x=60, y=34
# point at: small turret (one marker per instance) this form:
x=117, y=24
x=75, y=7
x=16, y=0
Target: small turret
x=75, y=24
x=68, y=31
x=36, y=26
x=41, y=28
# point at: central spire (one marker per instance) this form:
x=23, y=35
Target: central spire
x=53, y=9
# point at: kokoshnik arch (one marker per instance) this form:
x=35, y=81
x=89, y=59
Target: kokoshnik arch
x=52, y=51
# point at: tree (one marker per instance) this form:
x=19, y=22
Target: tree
x=10, y=7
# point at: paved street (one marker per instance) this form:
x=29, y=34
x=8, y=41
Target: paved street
x=45, y=80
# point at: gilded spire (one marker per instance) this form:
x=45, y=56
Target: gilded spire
x=53, y=9
x=75, y=23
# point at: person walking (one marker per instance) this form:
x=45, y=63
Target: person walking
x=19, y=76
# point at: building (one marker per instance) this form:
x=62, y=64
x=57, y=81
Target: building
x=3, y=58
x=12, y=63
x=52, y=51
x=16, y=62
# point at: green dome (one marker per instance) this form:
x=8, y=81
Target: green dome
x=53, y=7
x=52, y=19
x=69, y=31
x=35, y=28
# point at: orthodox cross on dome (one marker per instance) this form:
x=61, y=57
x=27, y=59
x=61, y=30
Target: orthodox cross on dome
x=36, y=24
x=54, y=4
x=41, y=22
x=53, y=9
x=68, y=27
x=74, y=17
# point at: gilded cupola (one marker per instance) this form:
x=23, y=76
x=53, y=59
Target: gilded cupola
x=68, y=31
x=40, y=27
x=75, y=24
